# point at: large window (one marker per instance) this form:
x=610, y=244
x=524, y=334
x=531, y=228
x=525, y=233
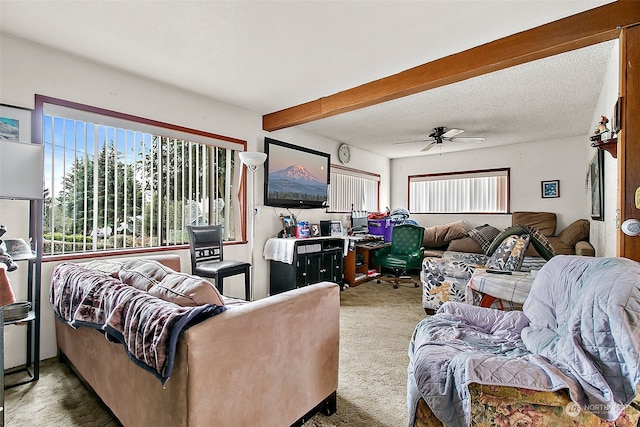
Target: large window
x=114, y=181
x=485, y=191
x=353, y=189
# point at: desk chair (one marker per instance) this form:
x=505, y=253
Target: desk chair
x=205, y=244
x=405, y=253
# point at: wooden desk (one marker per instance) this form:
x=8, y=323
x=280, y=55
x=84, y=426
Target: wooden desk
x=354, y=274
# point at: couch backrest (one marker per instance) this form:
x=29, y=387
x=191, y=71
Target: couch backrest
x=544, y=222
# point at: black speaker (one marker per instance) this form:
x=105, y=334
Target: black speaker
x=325, y=228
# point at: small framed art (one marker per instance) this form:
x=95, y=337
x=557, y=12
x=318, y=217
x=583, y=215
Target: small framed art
x=550, y=189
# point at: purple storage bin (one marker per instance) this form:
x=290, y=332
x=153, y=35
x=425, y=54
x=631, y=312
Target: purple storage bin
x=381, y=227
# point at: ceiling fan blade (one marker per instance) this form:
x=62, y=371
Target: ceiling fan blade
x=452, y=133
x=429, y=146
x=412, y=142
x=468, y=139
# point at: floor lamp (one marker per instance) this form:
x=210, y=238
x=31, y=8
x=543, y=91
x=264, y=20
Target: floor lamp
x=253, y=161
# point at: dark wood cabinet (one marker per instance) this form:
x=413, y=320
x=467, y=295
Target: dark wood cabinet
x=314, y=260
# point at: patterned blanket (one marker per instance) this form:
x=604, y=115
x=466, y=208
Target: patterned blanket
x=147, y=326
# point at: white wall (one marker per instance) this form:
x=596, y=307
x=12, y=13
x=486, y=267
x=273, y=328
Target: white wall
x=27, y=69
x=604, y=233
x=530, y=163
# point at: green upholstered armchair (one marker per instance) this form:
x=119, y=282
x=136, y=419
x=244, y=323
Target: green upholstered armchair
x=404, y=254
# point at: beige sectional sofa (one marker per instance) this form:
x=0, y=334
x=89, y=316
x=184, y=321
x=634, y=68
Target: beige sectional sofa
x=271, y=362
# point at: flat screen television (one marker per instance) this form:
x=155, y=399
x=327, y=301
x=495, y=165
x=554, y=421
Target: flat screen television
x=295, y=177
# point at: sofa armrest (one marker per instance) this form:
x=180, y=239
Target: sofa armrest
x=585, y=248
x=271, y=359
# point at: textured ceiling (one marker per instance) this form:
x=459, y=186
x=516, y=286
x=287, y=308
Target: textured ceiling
x=268, y=55
x=546, y=99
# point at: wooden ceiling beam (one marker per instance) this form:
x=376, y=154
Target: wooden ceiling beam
x=584, y=29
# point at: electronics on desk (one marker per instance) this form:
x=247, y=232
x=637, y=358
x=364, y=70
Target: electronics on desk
x=325, y=228
x=336, y=229
x=359, y=222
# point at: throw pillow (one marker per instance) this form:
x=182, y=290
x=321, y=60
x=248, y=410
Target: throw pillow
x=440, y=235
x=510, y=253
x=466, y=244
x=186, y=290
x=484, y=235
x=539, y=241
x=143, y=273
x=575, y=232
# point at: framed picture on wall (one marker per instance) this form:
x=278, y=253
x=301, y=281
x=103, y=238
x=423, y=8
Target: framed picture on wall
x=15, y=123
x=550, y=189
x=596, y=185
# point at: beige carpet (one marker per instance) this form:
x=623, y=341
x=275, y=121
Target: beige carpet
x=376, y=323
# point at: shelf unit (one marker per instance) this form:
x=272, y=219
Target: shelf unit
x=609, y=145
x=30, y=370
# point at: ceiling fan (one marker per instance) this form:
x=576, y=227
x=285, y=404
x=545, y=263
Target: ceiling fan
x=442, y=134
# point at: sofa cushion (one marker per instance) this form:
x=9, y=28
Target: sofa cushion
x=560, y=247
x=575, y=232
x=440, y=235
x=545, y=222
x=143, y=273
x=186, y=290
x=466, y=244
x=107, y=266
x=510, y=254
x=484, y=235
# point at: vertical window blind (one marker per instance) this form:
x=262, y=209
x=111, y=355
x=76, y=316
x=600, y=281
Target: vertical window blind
x=113, y=183
x=463, y=192
x=352, y=189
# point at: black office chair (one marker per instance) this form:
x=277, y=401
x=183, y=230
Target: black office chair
x=205, y=244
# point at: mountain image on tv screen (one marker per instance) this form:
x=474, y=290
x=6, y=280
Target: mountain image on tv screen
x=296, y=182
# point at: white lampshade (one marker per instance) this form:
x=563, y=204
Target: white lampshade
x=21, y=170
x=252, y=159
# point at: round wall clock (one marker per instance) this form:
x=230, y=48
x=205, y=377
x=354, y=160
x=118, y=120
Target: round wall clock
x=344, y=154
